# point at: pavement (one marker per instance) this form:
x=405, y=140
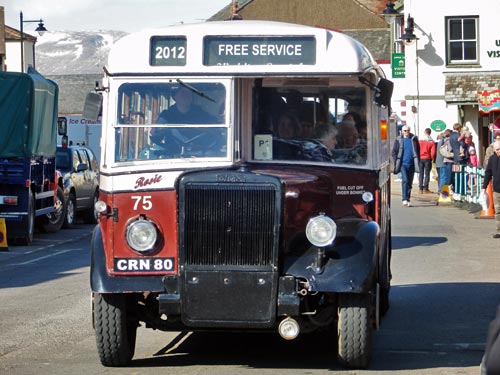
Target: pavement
x=418, y=199
x=415, y=194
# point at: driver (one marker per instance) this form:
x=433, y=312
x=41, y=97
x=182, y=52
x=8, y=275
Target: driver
x=184, y=111
x=179, y=141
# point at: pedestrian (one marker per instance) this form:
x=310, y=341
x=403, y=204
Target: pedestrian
x=457, y=141
x=489, y=150
x=443, y=163
x=406, y=158
x=427, y=156
x=471, y=148
x=492, y=172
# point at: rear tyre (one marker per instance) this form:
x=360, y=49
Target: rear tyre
x=115, y=333
x=354, y=330
x=28, y=223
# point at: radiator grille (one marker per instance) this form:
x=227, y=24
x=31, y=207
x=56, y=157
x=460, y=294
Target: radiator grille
x=229, y=224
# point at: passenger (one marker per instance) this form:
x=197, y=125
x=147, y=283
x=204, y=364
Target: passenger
x=347, y=135
x=326, y=136
x=288, y=126
x=355, y=118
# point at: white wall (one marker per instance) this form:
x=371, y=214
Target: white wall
x=430, y=28
x=13, y=55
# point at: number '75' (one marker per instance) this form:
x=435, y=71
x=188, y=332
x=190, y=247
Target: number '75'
x=143, y=202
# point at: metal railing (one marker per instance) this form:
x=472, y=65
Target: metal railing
x=467, y=183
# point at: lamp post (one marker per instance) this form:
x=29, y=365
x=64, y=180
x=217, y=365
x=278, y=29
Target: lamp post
x=393, y=17
x=40, y=29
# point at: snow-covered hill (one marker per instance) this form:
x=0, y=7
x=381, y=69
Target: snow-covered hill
x=74, y=52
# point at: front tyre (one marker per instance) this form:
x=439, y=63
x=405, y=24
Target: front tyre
x=52, y=222
x=69, y=220
x=115, y=333
x=354, y=330
x=91, y=213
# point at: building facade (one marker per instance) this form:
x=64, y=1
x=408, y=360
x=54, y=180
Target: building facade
x=453, y=69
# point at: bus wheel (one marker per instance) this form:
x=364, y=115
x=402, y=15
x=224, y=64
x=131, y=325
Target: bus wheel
x=115, y=334
x=354, y=330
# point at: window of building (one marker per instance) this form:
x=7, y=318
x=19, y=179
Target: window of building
x=462, y=40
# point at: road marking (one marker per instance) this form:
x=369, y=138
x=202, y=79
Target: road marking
x=44, y=257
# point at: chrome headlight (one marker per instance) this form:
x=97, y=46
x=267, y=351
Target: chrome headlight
x=142, y=235
x=321, y=231
x=101, y=207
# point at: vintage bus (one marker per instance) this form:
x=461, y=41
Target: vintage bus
x=244, y=186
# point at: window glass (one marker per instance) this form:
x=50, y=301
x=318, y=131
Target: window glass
x=93, y=161
x=470, y=29
x=84, y=158
x=171, y=121
x=462, y=40
x=313, y=124
x=62, y=160
x=456, y=51
x=455, y=30
x=470, y=51
x=76, y=159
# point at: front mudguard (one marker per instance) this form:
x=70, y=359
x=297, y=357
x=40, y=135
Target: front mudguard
x=349, y=266
x=102, y=282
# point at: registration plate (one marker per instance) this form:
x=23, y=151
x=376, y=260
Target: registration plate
x=144, y=264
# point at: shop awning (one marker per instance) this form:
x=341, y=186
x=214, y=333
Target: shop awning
x=481, y=88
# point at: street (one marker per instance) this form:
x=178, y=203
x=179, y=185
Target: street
x=445, y=291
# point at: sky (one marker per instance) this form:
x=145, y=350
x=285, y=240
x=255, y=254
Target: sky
x=93, y=15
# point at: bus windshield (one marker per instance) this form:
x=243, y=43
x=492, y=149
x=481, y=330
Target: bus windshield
x=171, y=120
x=311, y=124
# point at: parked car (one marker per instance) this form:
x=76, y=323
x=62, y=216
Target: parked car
x=80, y=181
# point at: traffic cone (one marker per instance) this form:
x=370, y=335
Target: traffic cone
x=3, y=235
x=489, y=212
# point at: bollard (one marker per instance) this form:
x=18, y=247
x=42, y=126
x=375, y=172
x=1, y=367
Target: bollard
x=489, y=213
x=3, y=235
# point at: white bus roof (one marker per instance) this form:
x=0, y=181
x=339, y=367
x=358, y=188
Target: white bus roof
x=239, y=48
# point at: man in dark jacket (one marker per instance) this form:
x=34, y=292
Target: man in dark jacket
x=406, y=158
x=492, y=171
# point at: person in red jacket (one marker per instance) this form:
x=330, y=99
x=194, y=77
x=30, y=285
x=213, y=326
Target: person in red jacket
x=427, y=156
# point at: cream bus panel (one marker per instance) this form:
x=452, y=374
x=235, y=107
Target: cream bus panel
x=253, y=46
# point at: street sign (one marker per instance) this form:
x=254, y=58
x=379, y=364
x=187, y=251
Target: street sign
x=398, y=65
x=438, y=125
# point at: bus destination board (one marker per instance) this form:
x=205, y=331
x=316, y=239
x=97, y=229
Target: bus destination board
x=168, y=51
x=275, y=50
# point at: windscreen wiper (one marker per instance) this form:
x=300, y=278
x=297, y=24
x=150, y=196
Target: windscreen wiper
x=195, y=90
